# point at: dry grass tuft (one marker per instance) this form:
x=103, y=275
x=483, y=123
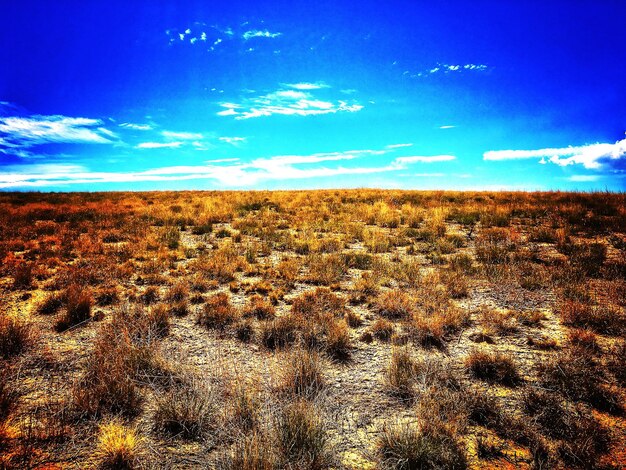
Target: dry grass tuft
x=119, y=446
x=302, y=437
x=409, y=446
x=302, y=374
x=218, y=312
x=187, y=411
x=493, y=367
x=78, y=303
x=15, y=336
x=394, y=304
x=260, y=308
x=382, y=329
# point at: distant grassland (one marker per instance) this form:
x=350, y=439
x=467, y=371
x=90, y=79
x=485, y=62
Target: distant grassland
x=312, y=329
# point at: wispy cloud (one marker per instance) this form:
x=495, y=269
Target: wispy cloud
x=584, y=178
x=446, y=69
x=233, y=140
x=289, y=102
x=397, y=146
x=424, y=159
x=593, y=156
x=225, y=172
x=307, y=86
x=158, y=145
x=24, y=132
x=136, y=127
x=182, y=135
x=447, y=127
x=256, y=33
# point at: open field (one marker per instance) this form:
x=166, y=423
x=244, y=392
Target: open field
x=313, y=329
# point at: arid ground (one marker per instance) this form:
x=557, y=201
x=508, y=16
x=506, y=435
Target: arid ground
x=313, y=329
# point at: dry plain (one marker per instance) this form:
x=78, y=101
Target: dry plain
x=313, y=329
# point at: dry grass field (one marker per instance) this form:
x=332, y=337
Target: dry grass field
x=313, y=329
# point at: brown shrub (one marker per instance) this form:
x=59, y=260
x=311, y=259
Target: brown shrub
x=317, y=303
x=582, y=438
x=302, y=374
x=493, y=245
x=493, y=367
x=15, y=336
x=78, y=302
x=401, y=373
x=280, y=332
x=150, y=295
x=178, y=292
x=382, y=329
x=430, y=445
x=218, y=312
x=353, y=319
x=600, y=318
x=302, y=436
x=498, y=322
x=260, y=308
x=23, y=276
x=338, y=344
x=580, y=378
x=187, y=411
x=394, y=304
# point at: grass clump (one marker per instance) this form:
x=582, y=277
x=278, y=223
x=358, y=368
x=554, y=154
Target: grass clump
x=280, y=332
x=394, y=304
x=407, y=446
x=78, y=303
x=602, y=319
x=493, y=367
x=119, y=446
x=15, y=336
x=382, y=329
x=186, y=411
x=218, y=312
x=579, y=377
x=260, y=308
x=401, y=373
x=302, y=437
x=302, y=375
x=581, y=438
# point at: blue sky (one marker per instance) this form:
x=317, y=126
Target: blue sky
x=327, y=94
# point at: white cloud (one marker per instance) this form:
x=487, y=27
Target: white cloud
x=158, y=145
x=307, y=86
x=397, y=146
x=584, y=178
x=424, y=159
x=137, y=127
x=592, y=156
x=233, y=140
x=34, y=130
x=255, y=33
x=447, y=127
x=446, y=69
x=222, y=160
x=181, y=135
x=289, y=102
x=232, y=173
x=227, y=112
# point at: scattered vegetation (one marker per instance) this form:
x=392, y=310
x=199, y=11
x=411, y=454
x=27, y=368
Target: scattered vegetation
x=252, y=329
